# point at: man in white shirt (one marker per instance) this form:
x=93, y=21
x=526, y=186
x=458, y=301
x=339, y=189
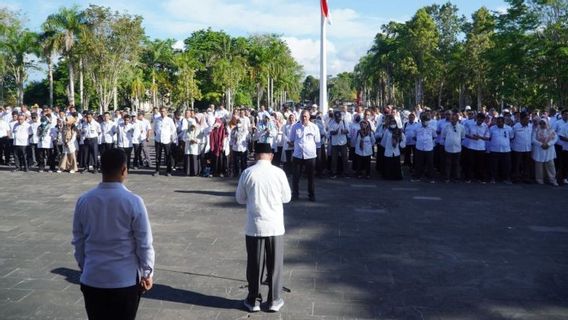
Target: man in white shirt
x=21, y=133
x=112, y=238
x=409, y=129
x=108, y=131
x=221, y=112
x=500, y=147
x=338, y=130
x=34, y=139
x=424, y=159
x=91, y=131
x=165, y=133
x=476, y=136
x=453, y=134
x=139, y=138
x=125, y=138
x=264, y=188
x=562, y=132
x=303, y=137
x=4, y=142
x=439, y=149
x=521, y=147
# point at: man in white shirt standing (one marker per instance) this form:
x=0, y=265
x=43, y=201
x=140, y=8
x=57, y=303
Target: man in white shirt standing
x=91, y=131
x=304, y=136
x=165, y=133
x=112, y=238
x=562, y=132
x=34, y=140
x=338, y=130
x=521, y=147
x=125, y=137
x=108, y=130
x=264, y=188
x=424, y=158
x=500, y=147
x=21, y=133
x=4, y=142
x=453, y=134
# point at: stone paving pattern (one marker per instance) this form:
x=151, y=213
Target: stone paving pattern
x=365, y=250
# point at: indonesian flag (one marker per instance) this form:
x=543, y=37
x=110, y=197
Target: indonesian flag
x=325, y=11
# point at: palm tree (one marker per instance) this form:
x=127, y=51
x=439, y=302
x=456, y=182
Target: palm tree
x=50, y=46
x=67, y=23
x=18, y=44
x=158, y=55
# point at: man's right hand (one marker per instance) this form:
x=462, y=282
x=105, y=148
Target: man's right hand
x=146, y=284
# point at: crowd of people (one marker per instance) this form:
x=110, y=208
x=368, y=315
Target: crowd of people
x=513, y=146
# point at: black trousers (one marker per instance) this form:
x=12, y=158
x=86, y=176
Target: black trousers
x=288, y=167
x=299, y=166
x=92, y=152
x=452, y=162
x=45, y=158
x=320, y=160
x=4, y=151
x=439, y=159
x=475, y=167
x=20, y=157
x=137, y=147
x=563, y=172
x=424, y=164
x=277, y=156
x=240, y=162
x=409, y=153
x=501, y=165
x=128, y=152
x=166, y=148
x=363, y=164
x=31, y=154
x=111, y=304
x=105, y=147
x=271, y=251
x=523, y=167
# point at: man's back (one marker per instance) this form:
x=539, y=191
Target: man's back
x=112, y=236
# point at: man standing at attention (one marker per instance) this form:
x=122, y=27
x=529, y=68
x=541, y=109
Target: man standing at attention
x=303, y=137
x=165, y=133
x=113, y=244
x=264, y=188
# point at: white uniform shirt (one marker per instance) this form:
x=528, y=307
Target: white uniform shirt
x=91, y=130
x=4, y=128
x=305, y=139
x=239, y=138
x=523, y=138
x=500, y=138
x=34, y=139
x=543, y=155
x=165, y=130
x=264, y=188
x=481, y=131
x=368, y=143
x=453, y=137
x=387, y=143
x=125, y=135
x=21, y=133
x=46, y=142
x=140, y=133
x=108, y=130
x=410, y=132
x=425, y=138
x=340, y=138
x=560, y=127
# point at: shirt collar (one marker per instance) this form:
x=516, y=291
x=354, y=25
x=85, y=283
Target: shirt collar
x=264, y=162
x=111, y=185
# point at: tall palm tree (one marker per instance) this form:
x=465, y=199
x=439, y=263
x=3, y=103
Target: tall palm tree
x=158, y=54
x=18, y=44
x=50, y=46
x=67, y=23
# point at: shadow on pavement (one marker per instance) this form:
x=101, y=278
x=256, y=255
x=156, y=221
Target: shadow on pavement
x=168, y=293
x=208, y=192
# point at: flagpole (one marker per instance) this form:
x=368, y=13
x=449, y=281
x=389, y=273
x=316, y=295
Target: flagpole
x=323, y=67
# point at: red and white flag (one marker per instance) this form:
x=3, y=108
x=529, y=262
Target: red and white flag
x=325, y=11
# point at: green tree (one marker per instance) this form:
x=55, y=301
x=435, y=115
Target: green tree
x=310, y=89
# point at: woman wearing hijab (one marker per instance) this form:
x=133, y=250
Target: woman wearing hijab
x=69, y=159
x=191, y=137
x=46, y=134
x=543, y=152
x=392, y=138
x=364, y=142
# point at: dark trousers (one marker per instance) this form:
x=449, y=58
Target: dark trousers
x=363, y=164
x=563, y=172
x=271, y=251
x=92, y=152
x=337, y=151
x=45, y=158
x=409, y=152
x=320, y=160
x=439, y=159
x=299, y=166
x=475, y=165
x=352, y=158
x=452, y=162
x=166, y=148
x=523, y=167
x=4, y=151
x=137, y=148
x=105, y=147
x=424, y=164
x=501, y=165
x=277, y=156
x=288, y=167
x=191, y=164
x=128, y=152
x=31, y=154
x=20, y=157
x=240, y=162
x=107, y=304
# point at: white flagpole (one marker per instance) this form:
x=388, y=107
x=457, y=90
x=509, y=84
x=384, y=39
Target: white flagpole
x=323, y=67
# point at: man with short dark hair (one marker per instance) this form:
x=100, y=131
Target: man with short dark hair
x=113, y=244
x=165, y=133
x=264, y=188
x=91, y=130
x=21, y=133
x=303, y=137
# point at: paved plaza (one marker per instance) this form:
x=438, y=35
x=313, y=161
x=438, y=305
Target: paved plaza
x=367, y=249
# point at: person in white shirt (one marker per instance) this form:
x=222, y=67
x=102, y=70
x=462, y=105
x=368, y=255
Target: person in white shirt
x=288, y=168
x=304, y=136
x=21, y=132
x=32, y=147
x=264, y=189
x=543, y=152
x=392, y=139
x=424, y=159
x=239, y=145
x=191, y=136
x=221, y=112
x=47, y=133
x=108, y=132
x=453, y=135
x=4, y=142
x=125, y=137
x=321, y=159
x=439, y=152
x=364, y=143
x=500, y=148
x=165, y=133
x=354, y=128
x=521, y=147
x=562, y=132
x=338, y=131
x=91, y=131
x=410, y=128
x=476, y=136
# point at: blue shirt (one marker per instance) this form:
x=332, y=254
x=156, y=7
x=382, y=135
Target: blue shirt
x=112, y=237
x=305, y=139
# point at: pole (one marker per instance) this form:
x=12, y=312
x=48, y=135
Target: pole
x=323, y=67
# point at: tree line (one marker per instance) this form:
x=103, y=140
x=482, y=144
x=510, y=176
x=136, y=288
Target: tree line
x=440, y=58
x=100, y=59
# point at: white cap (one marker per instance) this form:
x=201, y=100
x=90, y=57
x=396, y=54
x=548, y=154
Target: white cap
x=314, y=105
x=467, y=108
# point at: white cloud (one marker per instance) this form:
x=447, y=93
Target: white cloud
x=179, y=45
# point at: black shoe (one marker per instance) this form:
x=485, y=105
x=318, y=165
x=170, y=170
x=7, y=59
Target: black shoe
x=155, y=174
x=312, y=198
x=168, y=174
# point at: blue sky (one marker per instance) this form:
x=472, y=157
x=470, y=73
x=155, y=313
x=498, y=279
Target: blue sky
x=355, y=22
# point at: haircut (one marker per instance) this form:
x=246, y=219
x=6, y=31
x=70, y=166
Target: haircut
x=112, y=162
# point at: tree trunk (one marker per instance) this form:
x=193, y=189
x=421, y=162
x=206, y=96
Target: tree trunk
x=461, y=97
x=440, y=90
x=154, y=97
x=228, y=100
x=1, y=90
x=258, y=92
x=115, y=97
x=81, y=87
x=50, y=75
x=71, y=96
x=479, y=98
